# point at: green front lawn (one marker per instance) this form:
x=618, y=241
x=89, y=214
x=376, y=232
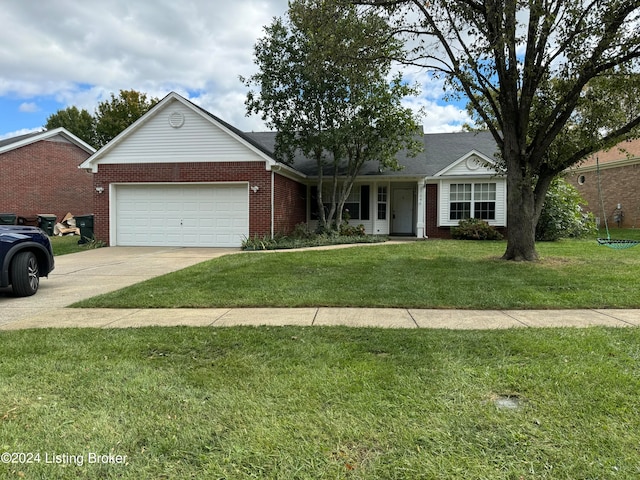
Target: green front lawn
x=322, y=403
x=66, y=245
x=429, y=274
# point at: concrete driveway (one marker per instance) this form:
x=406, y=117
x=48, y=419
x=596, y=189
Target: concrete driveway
x=86, y=274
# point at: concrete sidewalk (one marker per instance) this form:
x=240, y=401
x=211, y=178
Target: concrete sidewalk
x=351, y=317
x=93, y=272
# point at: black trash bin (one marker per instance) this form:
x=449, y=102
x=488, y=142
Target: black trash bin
x=8, y=218
x=85, y=224
x=47, y=223
x=31, y=221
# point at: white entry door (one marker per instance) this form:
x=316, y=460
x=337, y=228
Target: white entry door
x=402, y=208
x=181, y=215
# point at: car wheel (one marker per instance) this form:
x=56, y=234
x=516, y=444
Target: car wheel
x=25, y=277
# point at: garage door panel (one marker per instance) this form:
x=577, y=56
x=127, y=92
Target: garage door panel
x=181, y=215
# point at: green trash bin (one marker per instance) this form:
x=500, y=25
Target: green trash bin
x=85, y=224
x=47, y=223
x=8, y=218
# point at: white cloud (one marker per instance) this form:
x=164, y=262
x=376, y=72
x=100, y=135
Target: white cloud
x=54, y=48
x=28, y=107
x=79, y=52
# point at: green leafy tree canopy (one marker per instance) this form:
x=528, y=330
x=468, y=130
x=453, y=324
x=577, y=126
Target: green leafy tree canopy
x=115, y=115
x=78, y=122
x=323, y=85
x=553, y=80
x=111, y=117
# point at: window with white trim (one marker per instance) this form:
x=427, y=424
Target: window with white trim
x=356, y=204
x=472, y=200
x=352, y=204
x=382, y=203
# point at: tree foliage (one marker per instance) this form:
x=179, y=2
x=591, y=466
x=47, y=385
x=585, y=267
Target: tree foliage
x=78, y=122
x=323, y=85
x=111, y=117
x=553, y=80
x=562, y=214
x=115, y=115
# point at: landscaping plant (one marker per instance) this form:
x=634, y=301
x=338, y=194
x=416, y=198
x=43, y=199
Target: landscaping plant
x=475, y=229
x=562, y=214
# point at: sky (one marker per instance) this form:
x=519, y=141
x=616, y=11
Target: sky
x=61, y=53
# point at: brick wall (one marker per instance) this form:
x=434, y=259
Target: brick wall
x=254, y=172
x=619, y=185
x=290, y=204
x=432, y=229
x=43, y=177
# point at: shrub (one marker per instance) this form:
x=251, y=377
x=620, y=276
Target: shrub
x=347, y=230
x=300, y=239
x=302, y=232
x=475, y=229
x=562, y=216
x=259, y=243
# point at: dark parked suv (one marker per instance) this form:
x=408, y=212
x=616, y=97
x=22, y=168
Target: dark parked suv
x=25, y=256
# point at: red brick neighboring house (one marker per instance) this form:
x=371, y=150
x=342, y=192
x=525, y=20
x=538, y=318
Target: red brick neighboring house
x=180, y=176
x=619, y=184
x=39, y=174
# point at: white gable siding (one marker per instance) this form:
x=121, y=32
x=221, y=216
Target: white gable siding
x=444, y=200
x=196, y=140
x=471, y=165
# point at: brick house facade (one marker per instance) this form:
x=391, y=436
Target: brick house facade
x=288, y=208
x=179, y=176
x=39, y=174
x=201, y=180
x=619, y=178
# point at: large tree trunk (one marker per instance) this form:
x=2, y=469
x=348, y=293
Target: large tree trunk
x=526, y=194
x=521, y=224
x=521, y=209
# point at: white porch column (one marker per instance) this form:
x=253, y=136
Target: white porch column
x=422, y=208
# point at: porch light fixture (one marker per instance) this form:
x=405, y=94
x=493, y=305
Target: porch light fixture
x=99, y=189
x=255, y=188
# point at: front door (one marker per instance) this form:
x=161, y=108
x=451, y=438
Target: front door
x=402, y=211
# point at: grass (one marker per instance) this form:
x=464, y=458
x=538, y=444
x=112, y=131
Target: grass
x=322, y=403
x=429, y=274
x=66, y=244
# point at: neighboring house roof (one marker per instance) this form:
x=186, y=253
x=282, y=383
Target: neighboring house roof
x=626, y=152
x=440, y=151
x=16, y=139
x=23, y=140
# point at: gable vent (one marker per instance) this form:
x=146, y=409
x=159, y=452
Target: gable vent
x=176, y=119
x=473, y=162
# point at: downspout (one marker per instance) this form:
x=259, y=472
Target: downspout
x=272, y=201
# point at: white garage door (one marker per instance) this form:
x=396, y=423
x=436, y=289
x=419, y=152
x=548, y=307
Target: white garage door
x=181, y=215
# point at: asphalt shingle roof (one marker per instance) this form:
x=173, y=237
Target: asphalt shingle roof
x=440, y=151
x=9, y=141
